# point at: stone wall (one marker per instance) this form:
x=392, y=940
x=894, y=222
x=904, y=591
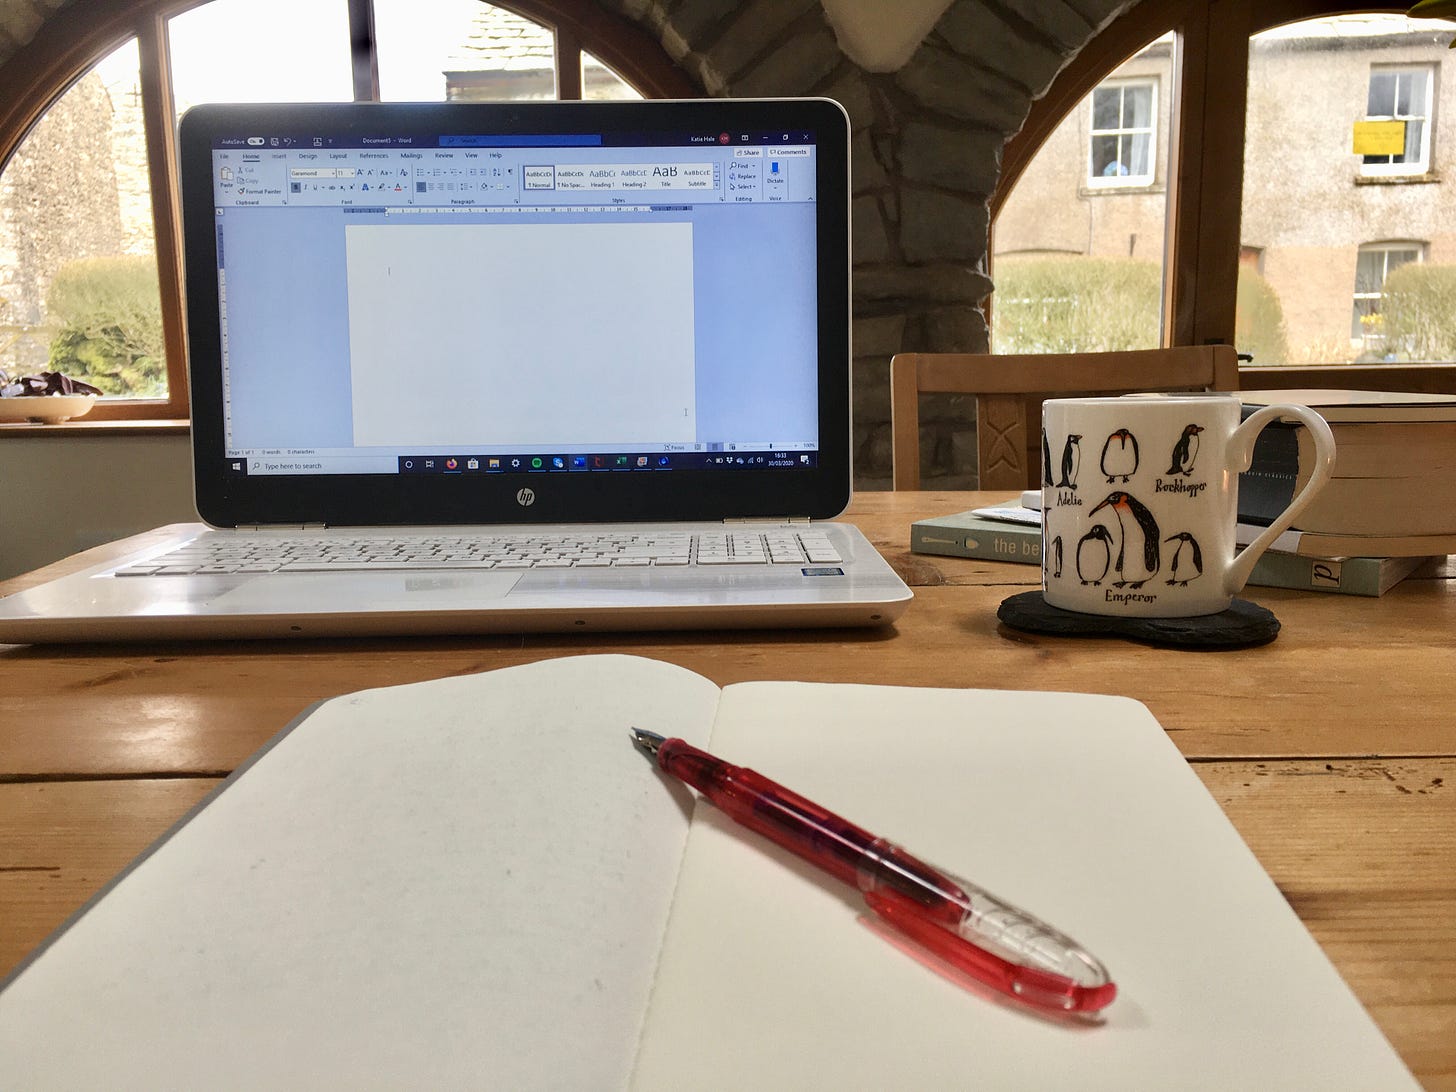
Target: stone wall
x=926, y=154
x=58, y=201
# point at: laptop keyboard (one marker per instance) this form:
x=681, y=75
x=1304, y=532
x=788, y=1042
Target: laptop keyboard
x=234, y=554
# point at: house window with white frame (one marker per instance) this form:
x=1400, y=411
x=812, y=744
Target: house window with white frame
x=1124, y=132
x=1374, y=264
x=1401, y=94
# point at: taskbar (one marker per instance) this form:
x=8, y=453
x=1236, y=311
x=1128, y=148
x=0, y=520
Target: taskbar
x=615, y=462
x=611, y=462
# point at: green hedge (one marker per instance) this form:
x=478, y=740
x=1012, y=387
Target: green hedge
x=107, y=315
x=1418, y=312
x=1072, y=304
x=1259, y=320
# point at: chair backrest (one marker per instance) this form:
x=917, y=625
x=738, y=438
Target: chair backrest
x=1010, y=389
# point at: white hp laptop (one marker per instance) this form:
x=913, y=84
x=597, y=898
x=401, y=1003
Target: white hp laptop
x=505, y=367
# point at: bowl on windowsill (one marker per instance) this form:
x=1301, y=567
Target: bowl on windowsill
x=46, y=409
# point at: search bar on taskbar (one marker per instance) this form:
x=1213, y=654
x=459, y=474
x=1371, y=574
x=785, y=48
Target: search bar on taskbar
x=322, y=464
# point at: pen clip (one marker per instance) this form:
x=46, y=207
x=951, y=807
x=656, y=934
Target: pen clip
x=1087, y=988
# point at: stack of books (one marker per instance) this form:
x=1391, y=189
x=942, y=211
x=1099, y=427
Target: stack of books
x=1394, y=489
x=1012, y=532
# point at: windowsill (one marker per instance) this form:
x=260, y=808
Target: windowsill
x=1137, y=189
x=84, y=427
x=1397, y=179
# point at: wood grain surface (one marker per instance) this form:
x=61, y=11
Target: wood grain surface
x=1332, y=749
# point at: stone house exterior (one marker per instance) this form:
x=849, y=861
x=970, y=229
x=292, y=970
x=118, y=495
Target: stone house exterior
x=1316, y=216
x=1060, y=207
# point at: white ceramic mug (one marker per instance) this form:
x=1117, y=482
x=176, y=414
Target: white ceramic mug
x=1140, y=501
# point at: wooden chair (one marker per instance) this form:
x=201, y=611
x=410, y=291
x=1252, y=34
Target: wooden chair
x=1010, y=389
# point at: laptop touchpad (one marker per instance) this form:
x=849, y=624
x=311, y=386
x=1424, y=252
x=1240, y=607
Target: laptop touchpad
x=320, y=592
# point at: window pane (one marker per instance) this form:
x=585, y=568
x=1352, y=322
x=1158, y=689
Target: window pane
x=1414, y=137
x=1137, y=111
x=1403, y=88
x=1120, y=153
x=1369, y=271
x=1320, y=200
x=1135, y=149
x=1372, y=275
x=1105, y=161
x=1381, y=100
x=261, y=51
x=600, y=82
x=461, y=51
x=1365, y=320
x=1106, y=107
x=78, y=272
x=1078, y=243
x=1411, y=106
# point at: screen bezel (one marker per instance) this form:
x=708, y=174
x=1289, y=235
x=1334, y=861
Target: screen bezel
x=227, y=499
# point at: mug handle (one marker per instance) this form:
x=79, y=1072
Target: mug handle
x=1241, y=454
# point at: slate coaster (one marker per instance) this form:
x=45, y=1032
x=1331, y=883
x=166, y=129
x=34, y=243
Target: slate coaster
x=1243, y=625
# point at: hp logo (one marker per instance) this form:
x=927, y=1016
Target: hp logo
x=526, y=497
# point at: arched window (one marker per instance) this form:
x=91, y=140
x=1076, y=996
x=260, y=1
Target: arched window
x=1078, y=245
x=90, y=279
x=1300, y=137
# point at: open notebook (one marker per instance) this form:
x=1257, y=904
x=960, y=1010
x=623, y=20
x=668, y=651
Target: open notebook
x=478, y=882
x=471, y=367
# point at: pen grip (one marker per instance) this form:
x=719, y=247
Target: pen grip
x=779, y=814
x=848, y=852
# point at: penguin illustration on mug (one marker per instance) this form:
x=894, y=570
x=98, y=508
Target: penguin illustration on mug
x=1120, y=456
x=1071, y=462
x=1138, y=540
x=1094, y=555
x=1192, y=565
x=1185, y=451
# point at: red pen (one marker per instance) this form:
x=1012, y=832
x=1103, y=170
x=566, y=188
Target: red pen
x=979, y=934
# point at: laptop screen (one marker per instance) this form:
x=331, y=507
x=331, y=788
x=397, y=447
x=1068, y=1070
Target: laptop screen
x=517, y=292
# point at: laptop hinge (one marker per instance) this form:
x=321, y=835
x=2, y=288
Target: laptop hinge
x=280, y=527
x=771, y=519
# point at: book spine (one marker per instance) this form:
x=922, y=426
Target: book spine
x=1268, y=486
x=1011, y=542
x=1344, y=576
x=1318, y=545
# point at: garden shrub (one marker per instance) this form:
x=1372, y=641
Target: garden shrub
x=108, y=319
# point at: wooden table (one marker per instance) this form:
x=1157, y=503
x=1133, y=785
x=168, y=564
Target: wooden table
x=1333, y=749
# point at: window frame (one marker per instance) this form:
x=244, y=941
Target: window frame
x=1205, y=179
x=74, y=38
x=1095, y=180
x=1386, y=248
x=1422, y=164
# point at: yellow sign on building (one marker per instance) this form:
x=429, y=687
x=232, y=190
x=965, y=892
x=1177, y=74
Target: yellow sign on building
x=1379, y=138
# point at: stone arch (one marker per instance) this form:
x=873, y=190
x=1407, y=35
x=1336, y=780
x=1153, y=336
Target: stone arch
x=927, y=151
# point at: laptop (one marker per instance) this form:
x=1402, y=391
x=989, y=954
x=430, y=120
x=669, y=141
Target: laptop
x=471, y=368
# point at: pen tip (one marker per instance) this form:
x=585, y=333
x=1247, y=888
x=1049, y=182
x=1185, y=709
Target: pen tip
x=647, y=742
